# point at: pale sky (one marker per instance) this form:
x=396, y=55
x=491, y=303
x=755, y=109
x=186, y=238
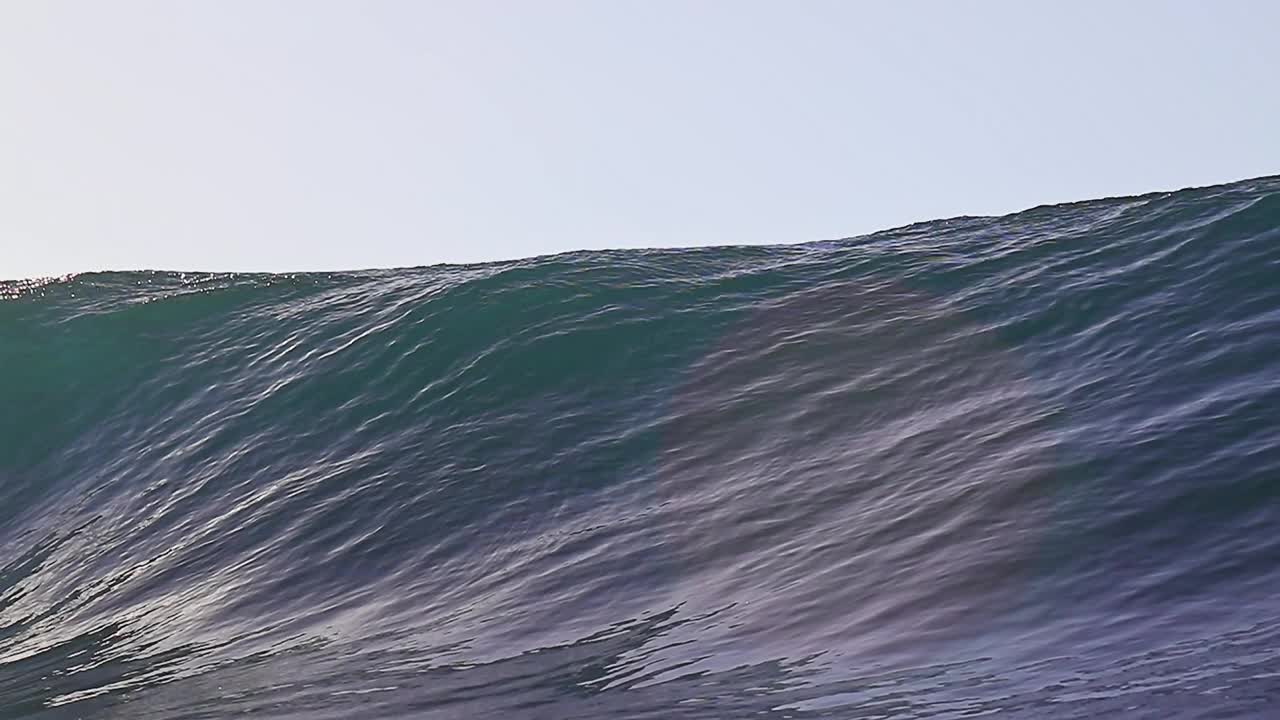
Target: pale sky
x=282, y=135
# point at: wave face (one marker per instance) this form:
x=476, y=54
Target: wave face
x=1024, y=466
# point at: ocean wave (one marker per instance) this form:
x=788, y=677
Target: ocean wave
x=1022, y=466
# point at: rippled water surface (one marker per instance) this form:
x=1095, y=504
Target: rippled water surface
x=1026, y=467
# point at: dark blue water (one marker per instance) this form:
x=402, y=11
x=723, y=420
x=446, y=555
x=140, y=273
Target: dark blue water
x=1025, y=467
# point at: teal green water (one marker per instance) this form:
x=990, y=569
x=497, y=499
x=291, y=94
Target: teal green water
x=1025, y=466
